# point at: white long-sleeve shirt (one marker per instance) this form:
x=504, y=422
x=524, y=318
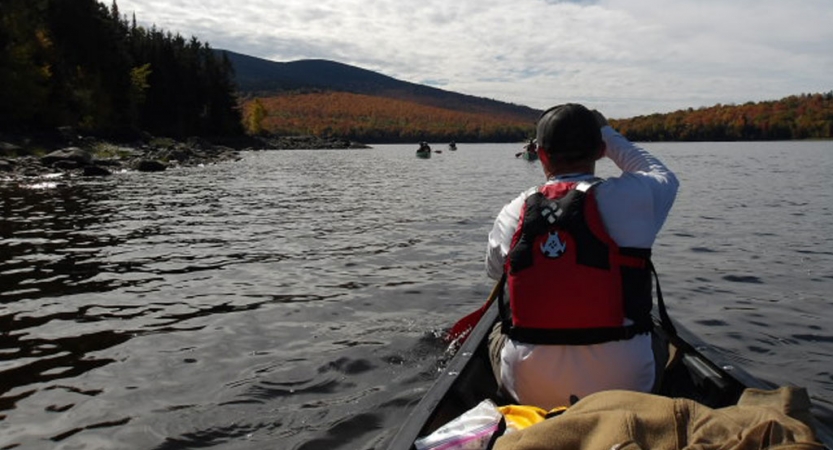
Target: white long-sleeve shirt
x=633, y=207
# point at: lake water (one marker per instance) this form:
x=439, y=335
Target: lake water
x=292, y=300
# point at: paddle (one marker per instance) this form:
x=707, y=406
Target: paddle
x=518, y=155
x=460, y=330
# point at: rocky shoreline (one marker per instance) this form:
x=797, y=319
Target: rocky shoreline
x=66, y=152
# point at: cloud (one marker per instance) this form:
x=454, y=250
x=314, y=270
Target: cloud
x=625, y=57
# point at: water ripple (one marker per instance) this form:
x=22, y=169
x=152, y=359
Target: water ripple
x=292, y=299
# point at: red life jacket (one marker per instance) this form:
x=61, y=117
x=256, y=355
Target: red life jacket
x=569, y=283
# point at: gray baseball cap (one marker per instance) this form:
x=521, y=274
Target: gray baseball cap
x=569, y=132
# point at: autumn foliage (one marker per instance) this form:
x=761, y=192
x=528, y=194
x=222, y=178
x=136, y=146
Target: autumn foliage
x=807, y=116
x=378, y=119
x=375, y=119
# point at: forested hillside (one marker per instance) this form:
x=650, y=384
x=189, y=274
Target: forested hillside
x=374, y=119
x=807, y=116
x=377, y=119
x=261, y=77
x=81, y=64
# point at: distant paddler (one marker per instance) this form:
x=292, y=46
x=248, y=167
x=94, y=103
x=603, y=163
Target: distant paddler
x=530, y=151
x=424, y=150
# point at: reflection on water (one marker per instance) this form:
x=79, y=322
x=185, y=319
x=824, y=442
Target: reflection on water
x=292, y=299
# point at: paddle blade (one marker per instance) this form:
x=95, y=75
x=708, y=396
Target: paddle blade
x=460, y=330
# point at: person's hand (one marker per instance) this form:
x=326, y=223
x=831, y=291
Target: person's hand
x=600, y=119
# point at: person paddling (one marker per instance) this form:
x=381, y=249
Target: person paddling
x=575, y=251
x=531, y=149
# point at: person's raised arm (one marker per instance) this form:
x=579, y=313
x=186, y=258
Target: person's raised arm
x=644, y=179
x=628, y=156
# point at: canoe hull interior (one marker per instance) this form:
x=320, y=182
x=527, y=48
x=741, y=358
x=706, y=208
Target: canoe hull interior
x=695, y=371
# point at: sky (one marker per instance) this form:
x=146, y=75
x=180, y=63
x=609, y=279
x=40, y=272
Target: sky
x=623, y=57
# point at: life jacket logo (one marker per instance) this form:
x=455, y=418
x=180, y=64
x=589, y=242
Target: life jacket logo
x=551, y=212
x=553, y=248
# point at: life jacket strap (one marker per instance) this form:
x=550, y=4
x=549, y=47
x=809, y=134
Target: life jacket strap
x=665, y=320
x=577, y=336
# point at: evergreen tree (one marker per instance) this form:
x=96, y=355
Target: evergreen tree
x=80, y=63
x=25, y=66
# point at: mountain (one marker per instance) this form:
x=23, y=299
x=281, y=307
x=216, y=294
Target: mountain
x=258, y=76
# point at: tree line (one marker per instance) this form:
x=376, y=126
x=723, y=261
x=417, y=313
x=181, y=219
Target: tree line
x=376, y=119
x=806, y=116
x=80, y=63
x=373, y=119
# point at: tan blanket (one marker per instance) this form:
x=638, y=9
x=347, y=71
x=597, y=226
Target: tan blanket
x=624, y=420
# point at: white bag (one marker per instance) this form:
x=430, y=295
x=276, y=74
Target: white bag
x=473, y=430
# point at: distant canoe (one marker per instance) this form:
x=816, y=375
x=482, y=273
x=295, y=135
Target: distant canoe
x=529, y=156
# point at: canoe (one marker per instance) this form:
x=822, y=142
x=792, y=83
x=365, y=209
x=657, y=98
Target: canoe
x=425, y=154
x=529, y=156
x=700, y=373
